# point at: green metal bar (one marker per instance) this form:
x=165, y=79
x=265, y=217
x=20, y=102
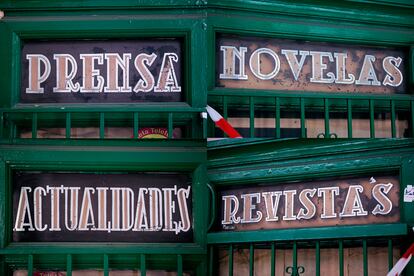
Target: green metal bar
x=302, y=118
x=393, y=129
x=225, y=110
x=365, y=256
x=211, y=261
x=251, y=260
x=230, y=260
x=136, y=125
x=179, y=265
x=225, y=106
x=341, y=258
x=295, y=258
x=101, y=125
x=69, y=265
x=34, y=125
x=106, y=265
x=30, y=265
x=251, y=116
x=170, y=125
x=205, y=127
x=326, y=107
x=390, y=255
x=277, y=117
x=412, y=119
x=272, y=260
x=349, y=107
x=143, y=265
x=68, y=125
x=1, y=125
x=318, y=259
x=371, y=119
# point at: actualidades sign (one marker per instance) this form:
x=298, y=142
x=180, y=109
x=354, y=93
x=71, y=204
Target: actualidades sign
x=136, y=207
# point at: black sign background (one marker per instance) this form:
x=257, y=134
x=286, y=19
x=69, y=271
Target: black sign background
x=77, y=47
x=133, y=181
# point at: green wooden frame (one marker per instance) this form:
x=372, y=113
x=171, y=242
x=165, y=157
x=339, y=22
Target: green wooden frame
x=302, y=160
x=102, y=159
x=14, y=30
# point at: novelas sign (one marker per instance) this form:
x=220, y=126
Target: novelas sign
x=281, y=64
x=141, y=207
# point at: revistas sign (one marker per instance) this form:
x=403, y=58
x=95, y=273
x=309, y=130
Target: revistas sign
x=324, y=203
x=84, y=207
x=281, y=64
x=92, y=71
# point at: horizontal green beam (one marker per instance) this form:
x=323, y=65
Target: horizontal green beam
x=102, y=248
x=240, y=92
x=90, y=108
x=270, y=150
x=340, y=232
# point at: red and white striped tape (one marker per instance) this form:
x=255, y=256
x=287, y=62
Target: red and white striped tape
x=402, y=262
x=222, y=123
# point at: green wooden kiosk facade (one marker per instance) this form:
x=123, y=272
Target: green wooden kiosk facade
x=321, y=92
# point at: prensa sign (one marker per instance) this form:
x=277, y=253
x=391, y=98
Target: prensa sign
x=313, y=204
x=84, y=207
x=113, y=71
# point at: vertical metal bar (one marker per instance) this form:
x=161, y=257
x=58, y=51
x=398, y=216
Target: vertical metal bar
x=251, y=260
x=179, y=265
x=412, y=119
x=69, y=265
x=295, y=257
x=68, y=125
x=1, y=125
x=365, y=256
x=272, y=260
x=204, y=122
x=251, y=116
x=326, y=108
x=136, y=125
x=349, y=107
x=225, y=105
x=393, y=129
x=101, y=125
x=390, y=255
x=211, y=261
x=371, y=119
x=170, y=125
x=30, y=265
x=225, y=111
x=341, y=258
x=106, y=265
x=230, y=260
x=34, y=125
x=318, y=259
x=277, y=117
x=302, y=118
x=143, y=264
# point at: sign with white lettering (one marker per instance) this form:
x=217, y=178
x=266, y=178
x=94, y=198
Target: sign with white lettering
x=281, y=64
x=313, y=204
x=98, y=71
x=86, y=207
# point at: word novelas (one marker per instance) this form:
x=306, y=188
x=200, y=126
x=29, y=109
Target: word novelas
x=109, y=209
x=325, y=67
x=93, y=80
x=290, y=204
